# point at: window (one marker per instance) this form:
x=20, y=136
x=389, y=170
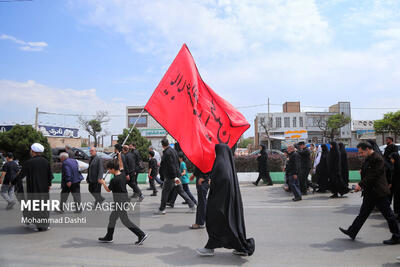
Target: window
x=301, y=124
x=286, y=122
x=270, y=123
x=142, y=122
x=294, y=122
x=278, y=122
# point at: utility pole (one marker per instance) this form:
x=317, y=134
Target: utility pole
x=37, y=119
x=268, y=127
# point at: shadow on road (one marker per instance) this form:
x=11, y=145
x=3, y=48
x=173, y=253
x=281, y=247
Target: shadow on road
x=175, y=256
x=343, y=244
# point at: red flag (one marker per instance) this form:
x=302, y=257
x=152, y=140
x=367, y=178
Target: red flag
x=193, y=113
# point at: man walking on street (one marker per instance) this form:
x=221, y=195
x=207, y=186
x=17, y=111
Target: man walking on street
x=375, y=192
x=70, y=182
x=305, y=167
x=129, y=161
x=202, y=186
x=292, y=172
x=8, y=174
x=37, y=171
x=95, y=173
x=169, y=170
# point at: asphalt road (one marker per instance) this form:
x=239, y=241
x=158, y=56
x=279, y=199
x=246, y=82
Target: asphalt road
x=287, y=234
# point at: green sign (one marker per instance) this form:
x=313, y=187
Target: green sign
x=153, y=132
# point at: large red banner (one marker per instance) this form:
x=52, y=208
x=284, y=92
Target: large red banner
x=193, y=113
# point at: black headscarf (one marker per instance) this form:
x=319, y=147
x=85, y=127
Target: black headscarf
x=224, y=218
x=324, y=148
x=263, y=149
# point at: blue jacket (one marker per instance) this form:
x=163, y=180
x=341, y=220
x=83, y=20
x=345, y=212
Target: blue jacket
x=70, y=172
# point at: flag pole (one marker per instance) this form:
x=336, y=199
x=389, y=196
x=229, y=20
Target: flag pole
x=133, y=126
x=126, y=138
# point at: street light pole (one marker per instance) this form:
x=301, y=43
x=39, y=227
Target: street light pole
x=37, y=119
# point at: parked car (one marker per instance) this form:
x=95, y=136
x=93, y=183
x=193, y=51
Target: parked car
x=103, y=155
x=269, y=151
x=79, y=153
x=382, y=148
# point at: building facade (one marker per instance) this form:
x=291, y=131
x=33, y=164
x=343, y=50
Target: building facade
x=146, y=124
x=292, y=125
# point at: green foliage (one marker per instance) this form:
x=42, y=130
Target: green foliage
x=245, y=142
x=389, y=124
x=95, y=125
x=335, y=122
x=142, y=144
x=19, y=140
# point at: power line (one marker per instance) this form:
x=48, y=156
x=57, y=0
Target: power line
x=366, y=108
x=238, y=107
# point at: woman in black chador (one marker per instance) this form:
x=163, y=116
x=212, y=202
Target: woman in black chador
x=263, y=172
x=337, y=186
x=224, y=218
x=321, y=170
x=395, y=182
x=344, y=164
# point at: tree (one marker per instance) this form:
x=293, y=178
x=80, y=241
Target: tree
x=19, y=140
x=142, y=144
x=245, y=142
x=93, y=126
x=389, y=124
x=267, y=127
x=332, y=125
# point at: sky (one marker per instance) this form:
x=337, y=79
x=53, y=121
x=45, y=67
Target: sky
x=78, y=57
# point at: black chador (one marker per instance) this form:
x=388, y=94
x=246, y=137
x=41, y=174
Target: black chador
x=263, y=172
x=322, y=171
x=224, y=218
x=337, y=185
x=344, y=164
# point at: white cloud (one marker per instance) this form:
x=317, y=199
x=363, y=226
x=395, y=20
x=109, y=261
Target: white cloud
x=25, y=46
x=23, y=97
x=213, y=28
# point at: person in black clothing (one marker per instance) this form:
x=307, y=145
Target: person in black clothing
x=292, y=172
x=224, y=216
x=39, y=176
x=8, y=174
x=139, y=167
x=184, y=181
x=128, y=159
x=202, y=186
x=344, y=164
x=305, y=166
x=153, y=172
x=95, y=173
x=169, y=172
x=322, y=170
x=71, y=153
x=390, y=148
x=375, y=191
x=263, y=172
x=395, y=182
x=337, y=186
x=120, y=195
